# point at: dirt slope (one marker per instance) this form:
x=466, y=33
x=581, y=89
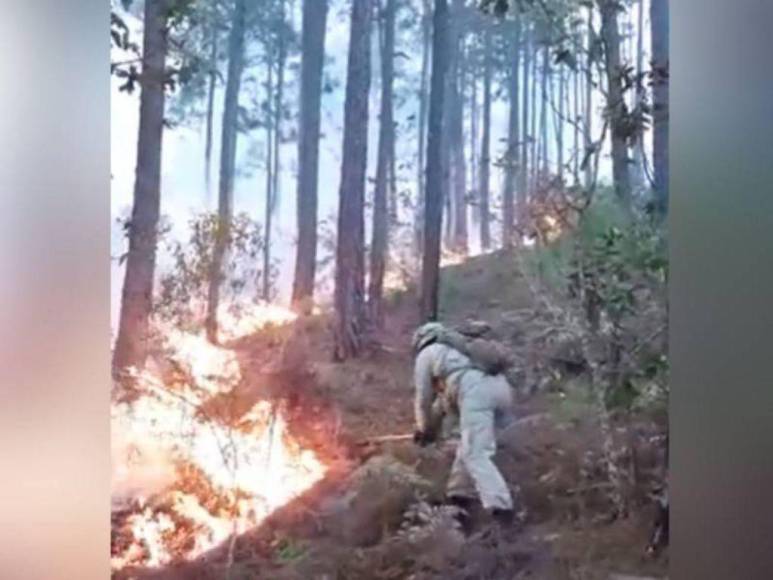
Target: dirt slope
x=348, y=529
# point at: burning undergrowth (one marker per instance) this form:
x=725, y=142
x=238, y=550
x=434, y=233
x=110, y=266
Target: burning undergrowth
x=187, y=476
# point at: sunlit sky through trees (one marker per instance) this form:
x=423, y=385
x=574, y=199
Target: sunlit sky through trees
x=183, y=191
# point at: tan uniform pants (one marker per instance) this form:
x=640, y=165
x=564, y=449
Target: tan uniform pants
x=484, y=402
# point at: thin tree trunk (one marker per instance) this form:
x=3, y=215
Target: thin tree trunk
x=227, y=164
x=312, y=57
x=659, y=19
x=426, y=31
x=448, y=198
x=393, y=205
x=588, y=125
x=576, y=113
x=456, y=109
x=137, y=296
x=210, y=113
x=543, y=120
x=350, y=259
x=433, y=203
x=523, y=174
x=534, y=111
x=485, y=152
x=560, y=123
x=271, y=119
x=638, y=151
x=271, y=201
x=616, y=106
x=511, y=159
x=474, y=131
x=379, y=244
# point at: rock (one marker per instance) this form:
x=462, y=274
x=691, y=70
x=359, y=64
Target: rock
x=377, y=494
x=629, y=577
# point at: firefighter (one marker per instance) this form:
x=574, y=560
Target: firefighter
x=446, y=379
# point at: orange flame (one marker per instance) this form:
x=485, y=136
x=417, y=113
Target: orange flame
x=190, y=480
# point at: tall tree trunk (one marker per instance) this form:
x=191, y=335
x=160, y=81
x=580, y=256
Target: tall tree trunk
x=137, y=296
x=350, y=259
x=379, y=243
x=639, y=178
x=485, y=147
x=456, y=110
x=616, y=106
x=543, y=120
x=534, y=112
x=448, y=198
x=210, y=112
x=659, y=19
x=270, y=151
x=312, y=57
x=474, y=132
x=433, y=201
x=271, y=201
x=511, y=159
x=426, y=31
x=576, y=112
x=523, y=174
x=560, y=123
x=588, y=125
x=227, y=165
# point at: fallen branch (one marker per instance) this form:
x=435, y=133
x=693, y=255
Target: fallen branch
x=385, y=439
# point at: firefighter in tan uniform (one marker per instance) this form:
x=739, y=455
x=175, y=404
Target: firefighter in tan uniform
x=446, y=381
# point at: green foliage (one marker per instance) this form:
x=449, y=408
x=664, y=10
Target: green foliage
x=287, y=550
x=573, y=402
x=183, y=288
x=614, y=268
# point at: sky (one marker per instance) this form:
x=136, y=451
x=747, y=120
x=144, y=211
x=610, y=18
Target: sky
x=183, y=192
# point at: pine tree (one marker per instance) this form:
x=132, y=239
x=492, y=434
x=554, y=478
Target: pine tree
x=137, y=297
x=350, y=266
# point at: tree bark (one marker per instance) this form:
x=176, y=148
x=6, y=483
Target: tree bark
x=227, y=165
x=639, y=178
x=312, y=57
x=485, y=151
x=511, y=159
x=534, y=111
x=543, y=119
x=523, y=174
x=560, y=123
x=210, y=113
x=576, y=112
x=379, y=243
x=270, y=151
x=433, y=201
x=474, y=132
x=456, y=117
x=350, y=262
x=659, y=19
x=137, y=296
x=271, y=200
x=616, y=107
x=426, y=31
x=588, y=125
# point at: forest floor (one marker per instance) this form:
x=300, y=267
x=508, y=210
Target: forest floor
x=346, y=527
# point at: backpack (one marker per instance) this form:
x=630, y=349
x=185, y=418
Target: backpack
x=485, y=355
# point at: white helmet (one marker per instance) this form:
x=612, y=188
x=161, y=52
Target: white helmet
x=425, y=334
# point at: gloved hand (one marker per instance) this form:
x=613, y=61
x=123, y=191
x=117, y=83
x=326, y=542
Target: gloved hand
x=423, y=438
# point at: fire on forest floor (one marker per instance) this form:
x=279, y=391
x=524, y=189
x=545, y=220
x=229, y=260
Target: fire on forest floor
x=187, y=476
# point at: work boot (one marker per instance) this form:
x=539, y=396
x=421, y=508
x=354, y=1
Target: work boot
x=464, y=517
x=503, y=517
